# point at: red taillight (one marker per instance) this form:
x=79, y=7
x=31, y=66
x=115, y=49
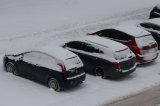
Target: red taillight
x=117, y=66
x=154, y=45
x=146, y=47
x=136, y=49
x=149, y=47
x=63, y=67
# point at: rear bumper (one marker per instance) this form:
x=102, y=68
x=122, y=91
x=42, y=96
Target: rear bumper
x=122, y=73
x=74, y=81
x=147, y=58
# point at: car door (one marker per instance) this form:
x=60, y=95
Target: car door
x=84, y=51
x=46, y=66
x=28, y=62
x=89, y=59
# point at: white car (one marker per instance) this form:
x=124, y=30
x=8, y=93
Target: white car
x=150, y=25
x=54, y=66
x=137, y=39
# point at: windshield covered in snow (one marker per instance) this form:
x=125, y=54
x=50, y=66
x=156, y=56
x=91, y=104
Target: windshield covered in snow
x=73, y=62
x=144, y=40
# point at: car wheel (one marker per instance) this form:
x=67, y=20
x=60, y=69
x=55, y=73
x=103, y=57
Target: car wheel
x=99, y=72
x=10, y=67
x=54, y=84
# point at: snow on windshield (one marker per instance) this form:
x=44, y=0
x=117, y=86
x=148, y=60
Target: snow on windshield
x=144, y=40
x=73, y=62
x=123, y=54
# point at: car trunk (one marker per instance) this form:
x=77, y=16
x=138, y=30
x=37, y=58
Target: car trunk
x=73, y=63
x=128, y=64
x=147, y=44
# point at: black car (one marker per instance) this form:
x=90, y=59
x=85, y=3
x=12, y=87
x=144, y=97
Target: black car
x=103, y=57
x=56, y=67
x=155, y=13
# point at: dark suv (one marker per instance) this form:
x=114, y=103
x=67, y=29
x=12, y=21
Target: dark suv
x=103, y=57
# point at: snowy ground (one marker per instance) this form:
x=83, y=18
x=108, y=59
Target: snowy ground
x=35, y=23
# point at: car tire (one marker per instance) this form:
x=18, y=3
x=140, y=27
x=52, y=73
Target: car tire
x=54, y=84
x=11, y=67
x=99, y=71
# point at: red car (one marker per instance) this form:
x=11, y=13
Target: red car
x=137, y=39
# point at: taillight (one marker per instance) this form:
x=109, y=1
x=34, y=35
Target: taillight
x=154, y=45
x=63, y=67
x=117, y=66
x=149, y=47
x=136, y=49
x=146, y=47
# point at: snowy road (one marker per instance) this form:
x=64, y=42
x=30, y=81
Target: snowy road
x=18, y=91
x=150, y=97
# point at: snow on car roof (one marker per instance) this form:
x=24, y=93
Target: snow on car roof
x=116, y=46
x=131, y=30
x=57, y=52
x=54, y=51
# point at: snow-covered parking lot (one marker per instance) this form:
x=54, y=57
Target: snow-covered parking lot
x=35, y=23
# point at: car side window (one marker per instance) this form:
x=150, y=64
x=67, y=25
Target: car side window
x=40, y=59
x=31, y=57
x=75, y=45
x=104, y=33
x=150, y=25
x=146, y=25
x=89, y=48
x=156, y=27
x=114, y=34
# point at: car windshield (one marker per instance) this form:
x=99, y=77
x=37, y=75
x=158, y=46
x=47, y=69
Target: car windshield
x=144, y=40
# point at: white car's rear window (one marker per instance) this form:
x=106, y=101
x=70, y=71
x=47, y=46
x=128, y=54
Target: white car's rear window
x=144, y=40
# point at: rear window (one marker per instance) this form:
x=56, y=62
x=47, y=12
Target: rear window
x=123, y=54
x=73, y=62
x=144, y=40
